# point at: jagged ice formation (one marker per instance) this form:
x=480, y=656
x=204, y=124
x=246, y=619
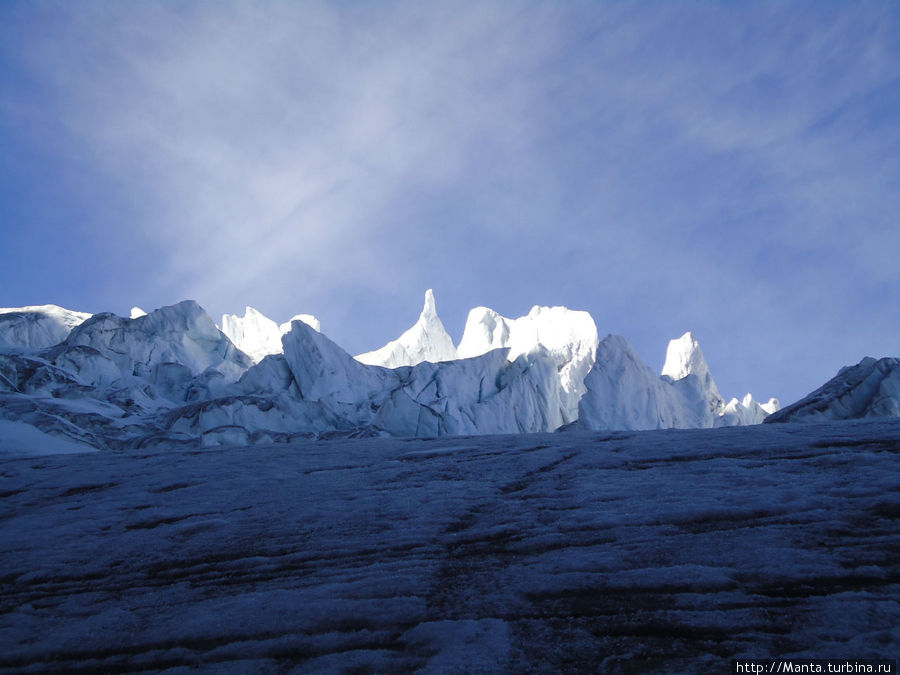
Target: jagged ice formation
x=869, y=389
x=623, y=393
x=172, y=377
x=427, y=340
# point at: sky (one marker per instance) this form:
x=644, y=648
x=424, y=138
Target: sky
x=732, y=169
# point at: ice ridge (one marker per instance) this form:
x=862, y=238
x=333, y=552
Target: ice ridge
x=171, y=377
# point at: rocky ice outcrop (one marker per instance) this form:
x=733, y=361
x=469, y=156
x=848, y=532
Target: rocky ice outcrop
x=182, y=334
x=871, y=388
x=315, y=387
x=171, y=378
x=484, y=394
x=254, y=333
x=324, y=372
x=107, y=383
x=257, y=335
x=685, y=358
x=623, y=393
x=569, y=338
x=37, y=326
x=747, y=411
x=165, y=358
x=427, y=340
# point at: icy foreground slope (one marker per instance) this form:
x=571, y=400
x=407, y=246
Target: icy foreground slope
x=623, y=393
x=869, y=389
x=427, y=340
x=660, y=552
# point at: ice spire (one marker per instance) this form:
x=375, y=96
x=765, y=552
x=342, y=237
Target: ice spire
x=427, y=340
x=684, y=357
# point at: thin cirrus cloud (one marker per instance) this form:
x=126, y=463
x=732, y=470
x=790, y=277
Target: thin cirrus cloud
x=287, y=133
x=730, y=169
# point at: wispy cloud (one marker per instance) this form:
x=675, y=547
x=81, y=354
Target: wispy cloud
x=278, y=137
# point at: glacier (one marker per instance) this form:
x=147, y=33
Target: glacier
x=484, y=394
x=568, y=336
x=37, y=326
x=171, y=377
x=439, y=528
x=869, y=389
x=181, y=334
x=624, y=393
x=670, y=551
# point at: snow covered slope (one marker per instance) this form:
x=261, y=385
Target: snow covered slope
x=569, y=338
x=427, y=340
x=653, y=552
x=257, y=335
x=37, y=326
x=20, y=439
x=871, y=388
x=623, y=393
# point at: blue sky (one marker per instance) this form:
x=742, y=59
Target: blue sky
x=727, y=168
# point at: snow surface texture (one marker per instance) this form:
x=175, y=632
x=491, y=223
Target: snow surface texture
x=257, y=335
x=172, y=377
x=623, y=393
x=21, y=439
x=869, y=389
x=427, y=340
x=657, y=552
